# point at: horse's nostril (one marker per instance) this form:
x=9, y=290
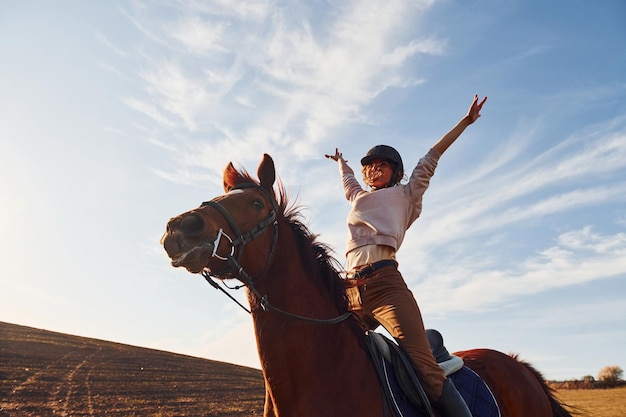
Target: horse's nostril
x=192, y=224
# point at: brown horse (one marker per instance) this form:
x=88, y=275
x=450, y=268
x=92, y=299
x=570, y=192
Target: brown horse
x=312, y=350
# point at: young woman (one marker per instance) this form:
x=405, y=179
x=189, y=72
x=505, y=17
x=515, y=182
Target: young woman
x=377, y=223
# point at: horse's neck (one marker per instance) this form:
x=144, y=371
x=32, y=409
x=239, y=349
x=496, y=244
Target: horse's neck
x=305, y=362
x=290, y=289
x=290, y=286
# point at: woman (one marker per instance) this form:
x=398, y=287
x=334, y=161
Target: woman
x=377, y=223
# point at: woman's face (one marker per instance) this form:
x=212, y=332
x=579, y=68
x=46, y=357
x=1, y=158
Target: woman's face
x=377, y=174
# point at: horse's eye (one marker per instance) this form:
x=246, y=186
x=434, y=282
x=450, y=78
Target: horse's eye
x=258, y=204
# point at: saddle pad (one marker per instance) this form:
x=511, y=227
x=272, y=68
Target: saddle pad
x=472, y=388
x=470, y=385
x=476, y=393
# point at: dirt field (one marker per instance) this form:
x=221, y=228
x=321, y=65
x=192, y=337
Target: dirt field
x=596, y=402
x=44, y=373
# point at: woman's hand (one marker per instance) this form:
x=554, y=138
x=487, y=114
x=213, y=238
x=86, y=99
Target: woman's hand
x=449, y=138
x=336, y=157
x=474, y=111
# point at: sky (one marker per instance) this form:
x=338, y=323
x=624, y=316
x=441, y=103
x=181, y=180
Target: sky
x=118, y=115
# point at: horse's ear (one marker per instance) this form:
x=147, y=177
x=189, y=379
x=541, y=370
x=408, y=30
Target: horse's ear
x=230, y=175
x=267, y=172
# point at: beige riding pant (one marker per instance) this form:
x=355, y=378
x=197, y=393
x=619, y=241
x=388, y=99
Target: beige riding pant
x=385, y=299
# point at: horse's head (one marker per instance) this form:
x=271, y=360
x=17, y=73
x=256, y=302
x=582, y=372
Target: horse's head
x=213, y=236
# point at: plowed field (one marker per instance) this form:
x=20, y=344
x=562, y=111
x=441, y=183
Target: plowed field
x=44, y=373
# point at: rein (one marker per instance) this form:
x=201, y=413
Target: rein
x=237, y=246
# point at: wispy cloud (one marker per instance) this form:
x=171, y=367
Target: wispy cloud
x=579, y=256
x=264, y=75
x=149, y=110
x=565, y=177
x=200, y=37
x=174, y=92
x=528, y=53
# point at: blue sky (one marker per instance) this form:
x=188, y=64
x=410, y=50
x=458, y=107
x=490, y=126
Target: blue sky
x=117, y=115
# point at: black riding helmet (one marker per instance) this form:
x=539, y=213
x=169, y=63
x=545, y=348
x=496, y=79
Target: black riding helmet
x=390, y=154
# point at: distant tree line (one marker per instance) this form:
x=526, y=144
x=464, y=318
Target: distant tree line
x=608, y=377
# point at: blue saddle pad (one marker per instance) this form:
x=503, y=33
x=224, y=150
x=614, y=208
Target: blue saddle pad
x=475, y=392
x=472, y=388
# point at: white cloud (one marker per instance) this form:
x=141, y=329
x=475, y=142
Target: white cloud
x=175, y=93
x=305, y=83
x=400, y=54
x=200, y=36
x=149, y=110
x=559, y=180
x=252, y=10
x=579, y=256
x=585, y=239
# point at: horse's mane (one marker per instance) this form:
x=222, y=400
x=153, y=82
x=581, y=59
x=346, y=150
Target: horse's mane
x=316, y=255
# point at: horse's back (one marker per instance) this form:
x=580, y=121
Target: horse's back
x=517, y=387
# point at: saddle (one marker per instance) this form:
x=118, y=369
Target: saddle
x=447, y=362
x=403, y=390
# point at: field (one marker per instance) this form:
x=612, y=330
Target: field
x=44, y=373
x=596, y=402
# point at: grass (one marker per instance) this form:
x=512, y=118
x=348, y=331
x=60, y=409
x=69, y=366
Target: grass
x=596, y=402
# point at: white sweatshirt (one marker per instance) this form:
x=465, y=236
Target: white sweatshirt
x=382, y=217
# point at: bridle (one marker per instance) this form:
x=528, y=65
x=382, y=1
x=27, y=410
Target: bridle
x=237, y=245
x=236, y=250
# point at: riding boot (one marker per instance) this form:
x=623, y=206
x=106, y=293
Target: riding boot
x=451, y=404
